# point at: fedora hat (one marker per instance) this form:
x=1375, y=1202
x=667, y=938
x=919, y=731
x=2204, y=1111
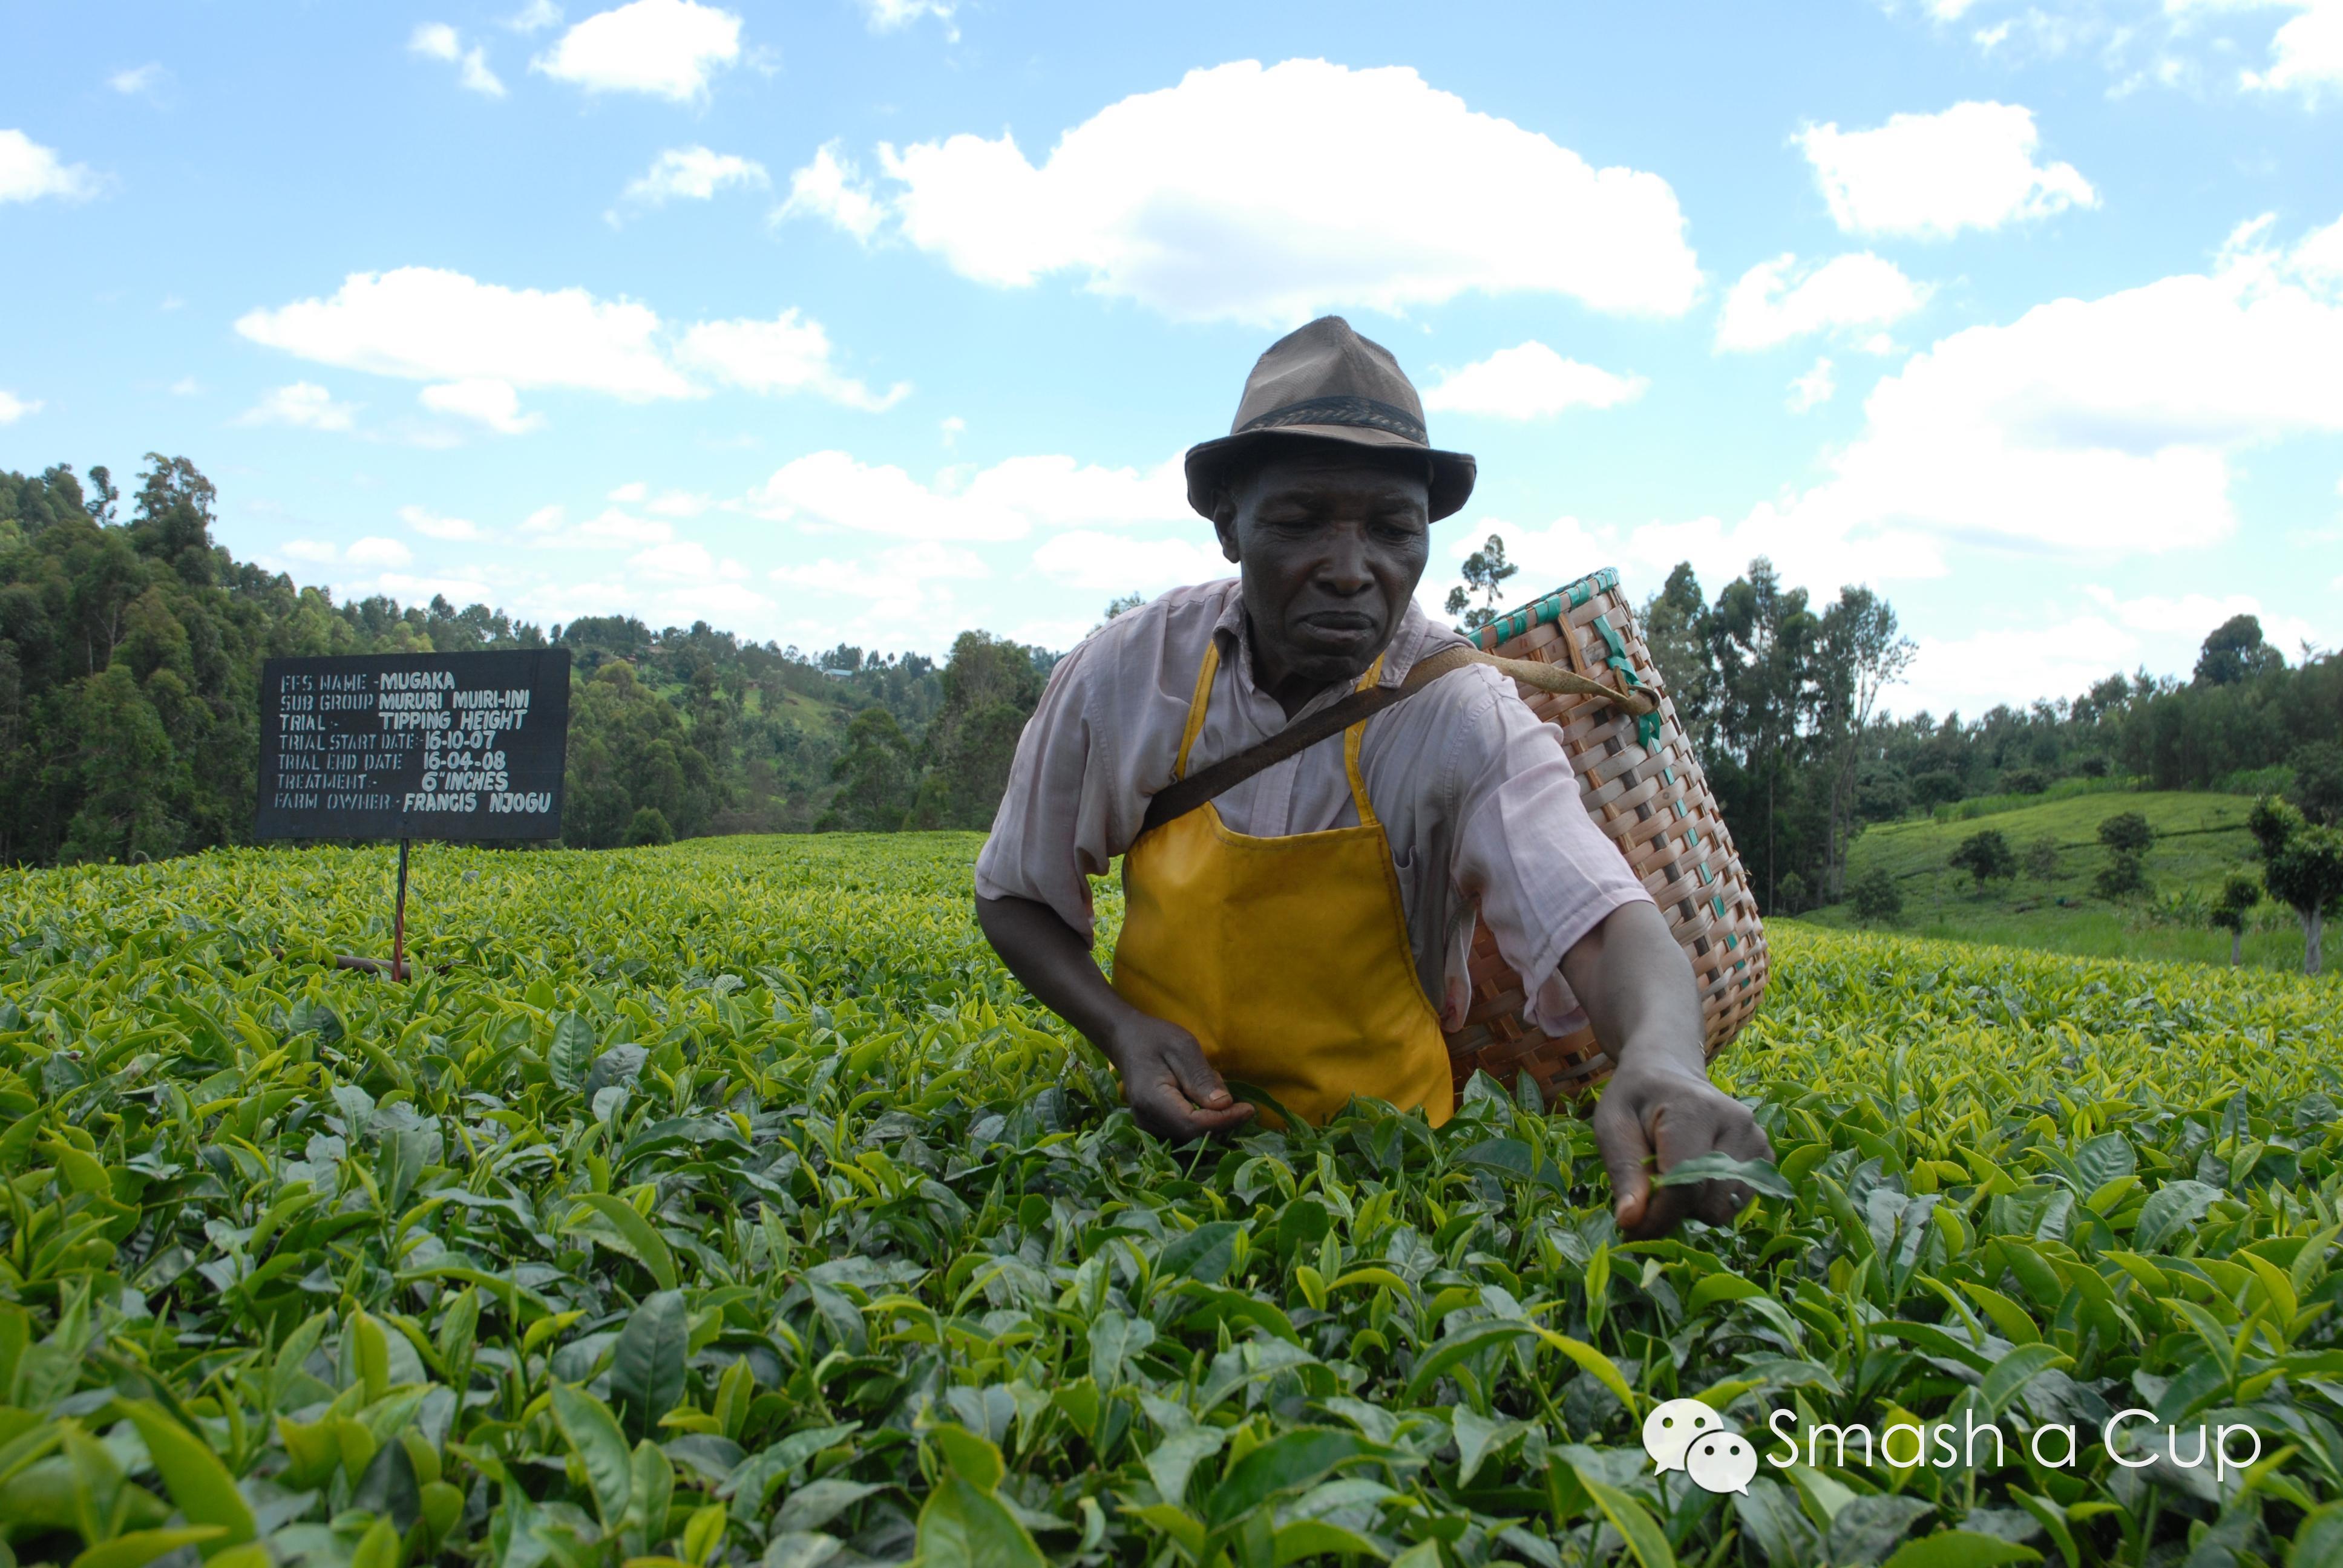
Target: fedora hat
x=1326, y=383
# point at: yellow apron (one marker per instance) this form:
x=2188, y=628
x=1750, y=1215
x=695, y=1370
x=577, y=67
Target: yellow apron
x=1288, y=959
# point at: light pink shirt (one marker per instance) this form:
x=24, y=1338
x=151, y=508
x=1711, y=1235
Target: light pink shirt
x=1479, y=800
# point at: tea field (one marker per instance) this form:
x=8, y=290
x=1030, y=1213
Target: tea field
x=725, y=1203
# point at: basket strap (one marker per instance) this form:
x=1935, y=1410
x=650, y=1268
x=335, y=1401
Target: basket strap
x=1184, y=795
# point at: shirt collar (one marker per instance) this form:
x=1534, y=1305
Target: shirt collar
x=1415, y=639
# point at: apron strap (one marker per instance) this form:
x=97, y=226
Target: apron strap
x=1197, y=704
x=1185, y=793
x=1353, y=738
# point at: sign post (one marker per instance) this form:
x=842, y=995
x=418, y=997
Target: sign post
x=456, y=746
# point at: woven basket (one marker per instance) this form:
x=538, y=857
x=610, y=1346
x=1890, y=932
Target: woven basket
x=1644, y=788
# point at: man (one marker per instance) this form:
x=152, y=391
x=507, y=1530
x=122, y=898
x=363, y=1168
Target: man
x=1293, y=931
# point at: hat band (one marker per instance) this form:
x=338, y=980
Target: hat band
x=1365, y=413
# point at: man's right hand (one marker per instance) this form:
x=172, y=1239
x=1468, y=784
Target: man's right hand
x=1171, y=1090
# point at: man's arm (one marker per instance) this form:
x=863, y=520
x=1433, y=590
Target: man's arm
x=1171, y=1090
x=1638, y=991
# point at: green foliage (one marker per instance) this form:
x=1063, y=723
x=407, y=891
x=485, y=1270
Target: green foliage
x=649, y=826
x=2127, y=833
x=2317, y=787
x=2125, y=876
x=726, y=1203
x=2234, y=651
x=875, y=776
x=2127, y=836
x=2042, y=858
x=1876, y=896
x=1986, y=856
x=990, y=687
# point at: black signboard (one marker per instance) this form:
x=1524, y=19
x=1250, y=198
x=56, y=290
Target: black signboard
x=414, y=745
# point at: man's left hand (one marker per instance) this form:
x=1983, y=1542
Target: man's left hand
x=1661, y=1111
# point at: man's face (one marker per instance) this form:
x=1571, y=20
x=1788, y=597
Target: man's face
x=1331, y=544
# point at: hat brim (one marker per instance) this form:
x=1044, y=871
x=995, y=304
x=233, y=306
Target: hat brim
x=1452, y=472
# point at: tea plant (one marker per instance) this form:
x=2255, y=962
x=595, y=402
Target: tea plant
x=726, y=1203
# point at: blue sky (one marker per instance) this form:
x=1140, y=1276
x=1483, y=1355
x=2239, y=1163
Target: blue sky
x=873, y=320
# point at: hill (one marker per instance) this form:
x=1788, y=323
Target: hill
x=2200, y=838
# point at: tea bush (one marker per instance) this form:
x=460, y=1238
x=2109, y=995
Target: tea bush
x=726, y=1202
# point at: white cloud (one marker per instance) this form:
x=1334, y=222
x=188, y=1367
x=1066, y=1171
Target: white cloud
x=427, y=324
x=683, y=559
x=1814, y=388
x=1117, y=563
x=902, y=577
x=828, y=187
x=431, y=526
x=484, y=401
x=2098, y=427
x=304, y=405
x=535, y=17
x=613, y=530
x=1006, y=501
x=1932, y=175
x=439, y=41
x=668, y=48
x=379, y=551
x=138, y=79
x=788, y=354
x=309, y=550
x=694, y=173
x=634, y=490
x=2305, y=54
x=679, y=504
x=1529, y=381
x=2065, y=657
x=12, y=408
x=1766, y=308
x=29, y=171
x=459, y=591
x=186, y=387
x=483, y=343
x=886, y=15
x=1222, y=198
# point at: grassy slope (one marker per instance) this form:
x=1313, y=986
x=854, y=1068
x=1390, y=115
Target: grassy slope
x=2062, y=914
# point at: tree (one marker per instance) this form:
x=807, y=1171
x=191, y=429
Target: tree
x=1984, y=855
x=1858, y=655
x=2042, y=858
x=1876, y=896
x=2239, y=894
x=649, y=826
x=991, y=686
x=2317, y=791
x=1485, y=571
x=2124, y=875
x=875, y=777
x=2302, y=867
x=1121, y=604
x=1675, y=621
x=2127, y=833
x=2234, y=651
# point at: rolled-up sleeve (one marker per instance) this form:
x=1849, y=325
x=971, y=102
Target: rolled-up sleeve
x=1053, y=830
x=1530, y=858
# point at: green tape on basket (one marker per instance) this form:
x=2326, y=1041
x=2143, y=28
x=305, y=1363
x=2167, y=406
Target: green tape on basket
x=1647, y=731
x=1610, y=637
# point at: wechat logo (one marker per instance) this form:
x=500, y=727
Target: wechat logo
x=1685, y=1434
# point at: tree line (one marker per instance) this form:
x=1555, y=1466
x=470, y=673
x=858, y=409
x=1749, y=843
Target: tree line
x=131, y=645
x=1782, y=698
x=130, y=652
